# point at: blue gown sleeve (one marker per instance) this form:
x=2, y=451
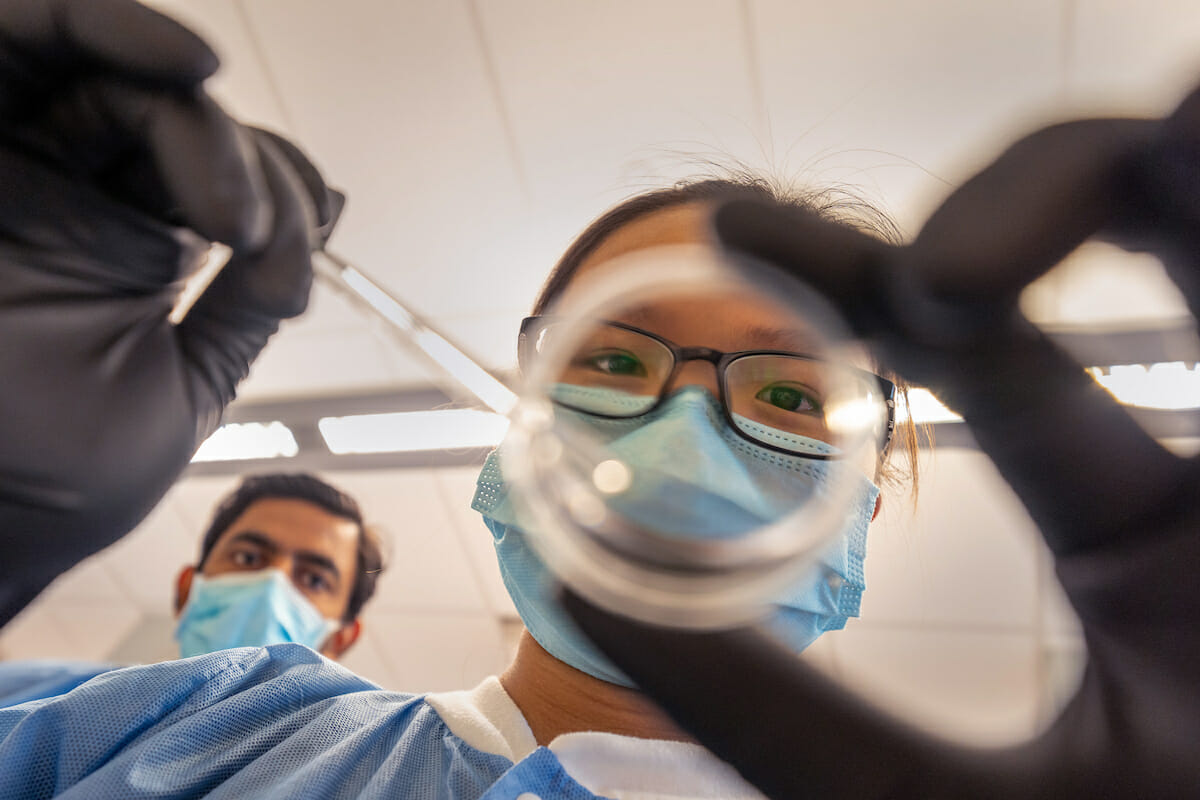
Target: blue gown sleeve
x=22, y=681
x=274, y=722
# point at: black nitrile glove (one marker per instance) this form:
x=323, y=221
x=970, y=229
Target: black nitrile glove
x=116, y=170
x=1120, y=513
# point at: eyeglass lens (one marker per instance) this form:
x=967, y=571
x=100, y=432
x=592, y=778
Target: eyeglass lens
x=781, y=400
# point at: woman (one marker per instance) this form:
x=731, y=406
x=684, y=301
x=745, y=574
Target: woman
x=560, y=722
x=559, y=682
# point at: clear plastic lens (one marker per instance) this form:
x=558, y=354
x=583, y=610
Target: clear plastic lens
x=691, y=433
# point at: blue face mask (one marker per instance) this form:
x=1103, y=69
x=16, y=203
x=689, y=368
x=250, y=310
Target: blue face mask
x=695, y=477
x=248, y=609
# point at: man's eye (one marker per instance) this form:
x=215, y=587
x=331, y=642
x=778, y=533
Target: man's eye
x=789, y=398
x=314, y=582
x=245, y=559
x=616, y=362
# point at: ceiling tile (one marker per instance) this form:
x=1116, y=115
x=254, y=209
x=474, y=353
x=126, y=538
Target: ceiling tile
x=394, y=103
x=969, y=687
x=195, y=499
x=89, y=580
x=94, y=629
x=457, y=487
x=432, y=651
x=603, y=102
x=967, y=556
x=364, y=657
x=146, y=561
x=337, y=347
x=35, y=633
x=241, y=85
x=68, y=629
x=1058, y=615
x=150, y=641
x=901, y=99
x=296, y=363
x=1100, y=285
x=1064, y=660
x=427, y=567
x=822, y=654
x=1133, y=58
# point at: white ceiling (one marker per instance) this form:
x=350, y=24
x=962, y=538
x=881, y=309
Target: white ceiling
x=476, y=137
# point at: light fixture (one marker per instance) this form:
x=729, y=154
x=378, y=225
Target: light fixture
x=923, y=409
x=241, y=441
x=1164, y=385
x=1167, y=385
x=412, y=431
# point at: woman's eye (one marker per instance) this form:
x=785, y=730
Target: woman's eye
x=789, y=398
x=617, y=363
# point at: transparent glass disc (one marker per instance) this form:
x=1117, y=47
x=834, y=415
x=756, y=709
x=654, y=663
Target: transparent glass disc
x=691, y=431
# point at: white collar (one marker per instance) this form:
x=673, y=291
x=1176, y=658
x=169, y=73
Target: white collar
x=608, y=764
x=487, y=719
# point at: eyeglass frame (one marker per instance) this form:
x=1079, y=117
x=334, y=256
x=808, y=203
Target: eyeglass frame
x=526, y=350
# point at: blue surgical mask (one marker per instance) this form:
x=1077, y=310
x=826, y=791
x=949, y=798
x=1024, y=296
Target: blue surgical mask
x=695, y=476
x=248, y=609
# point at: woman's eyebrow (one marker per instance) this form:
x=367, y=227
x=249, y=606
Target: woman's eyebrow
x=792, y=340
x=638, y=317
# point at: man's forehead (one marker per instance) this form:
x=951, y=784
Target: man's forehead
x=294, y=524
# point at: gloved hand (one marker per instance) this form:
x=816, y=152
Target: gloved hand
x=116, y=170
x=1120, y=513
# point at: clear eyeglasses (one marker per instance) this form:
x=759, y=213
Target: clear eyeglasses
x=780, y=400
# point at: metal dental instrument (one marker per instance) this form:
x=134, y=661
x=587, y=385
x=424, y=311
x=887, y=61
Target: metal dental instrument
x=413, y=332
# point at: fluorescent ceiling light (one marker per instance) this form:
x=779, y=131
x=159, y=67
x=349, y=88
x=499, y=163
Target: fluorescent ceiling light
x=412, y=431
x=1167, y=385
x=237, y=442
x=923, y=408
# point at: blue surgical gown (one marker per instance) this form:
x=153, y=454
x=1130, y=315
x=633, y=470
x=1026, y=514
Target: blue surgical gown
x=275, y=722
x=22, y=681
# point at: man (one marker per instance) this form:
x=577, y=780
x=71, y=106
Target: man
x=286, y=558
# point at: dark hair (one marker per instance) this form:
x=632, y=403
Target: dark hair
x=311, y=489
x=836, y=205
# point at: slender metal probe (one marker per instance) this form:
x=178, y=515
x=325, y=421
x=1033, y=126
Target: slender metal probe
x=351, y=282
